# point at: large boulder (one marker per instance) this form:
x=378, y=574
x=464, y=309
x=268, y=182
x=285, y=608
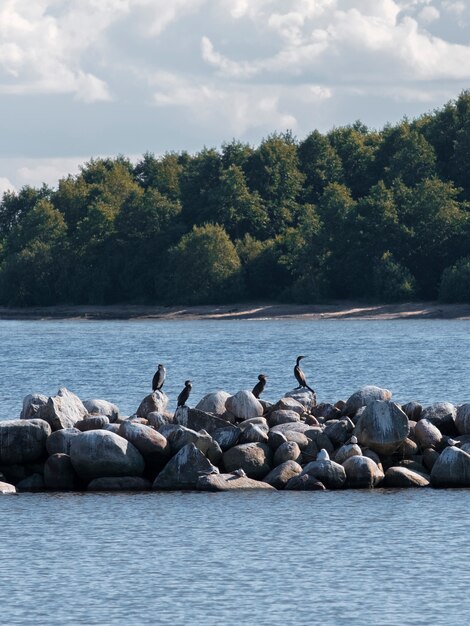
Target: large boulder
x=330, y=474
x=151, y=444
x=326, y=411
x=119, y=483
x=199, y=420
x=427, y=435
x=413, y=410
x=102, y=407
x=442, y=415
x=282, y=416
x=100, y=453
x=347, y=451
x=59, y=474
x=452, y=469
x=280, y=475
x=253, y=434
x=298, y=427
x=184, y=469
x=288, y=451
x=305, y=397
x=23, y=441
x=60, y=440
x=229, y=482
x=362, y=472
x=339, y=431
x=226, y=436
x=154, y=402
x=31, y=405
x=364, y=397
x=244, y=405
x=304, y=482
x=287, y=404
x=92, y=422
x=63, y=410
x=254, y=458
x=462, y=419
x=214, y=403
x=402, y=478
x=6, y=488
x=35, y=482
x=383, y=426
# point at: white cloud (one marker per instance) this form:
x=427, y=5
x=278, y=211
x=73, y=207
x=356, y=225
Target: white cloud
x=5, y=185
x=429, y=14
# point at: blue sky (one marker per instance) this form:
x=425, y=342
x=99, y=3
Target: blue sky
x=83, y=78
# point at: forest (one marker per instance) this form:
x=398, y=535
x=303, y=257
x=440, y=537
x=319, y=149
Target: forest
x=378, y=215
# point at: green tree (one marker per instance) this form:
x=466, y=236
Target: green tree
x=392, y=281
x=161, y=174
x=455, y=282
x=320, y=164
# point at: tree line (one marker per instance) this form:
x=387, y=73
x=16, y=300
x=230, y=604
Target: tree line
x=353, y=213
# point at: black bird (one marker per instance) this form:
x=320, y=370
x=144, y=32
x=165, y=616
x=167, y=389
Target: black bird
x=184, y=395
x=259, y=387
x=298, y=373
x=159, y=378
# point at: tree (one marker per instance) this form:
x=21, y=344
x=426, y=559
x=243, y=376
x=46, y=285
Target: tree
x=320, y=164
x=405, y=154
x=199, y=178
x=160, y=174
x=455, y=282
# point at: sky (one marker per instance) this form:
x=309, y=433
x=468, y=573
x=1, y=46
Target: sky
x=88, y=78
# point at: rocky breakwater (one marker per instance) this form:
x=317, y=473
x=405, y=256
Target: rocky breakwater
x=230, y=442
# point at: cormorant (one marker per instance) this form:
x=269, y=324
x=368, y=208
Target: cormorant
x=159, y=378
x=300, y=376
x=184, y=395
x=259, y=387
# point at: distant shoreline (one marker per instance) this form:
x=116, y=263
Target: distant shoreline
x=336, y=310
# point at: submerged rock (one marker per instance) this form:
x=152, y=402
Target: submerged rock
x=304, y=482
x=402, y=477
x=229, y=482
x=35, y=482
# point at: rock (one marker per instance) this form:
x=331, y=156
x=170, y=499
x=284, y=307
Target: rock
x=35, y=482
x=430, y=456
x=370, y=454
x=407, y=449
x=113, y=428
x=304, y=482
x=156, y=420
x=253, y=434
x=226, y=437
x=364, y=397
x=244, y=405
x=323, y=455
x=60, y=440
x=412, y=410
x=31, y=405
x=100, y=453
x=282, y=417
x=326, y=411
x=63, y=410
x=462, y=419
x=347, y=451
x=339, y=431
x=276, y=439
x=182, y=436
x=427, y=435
x=300, y=439
x=228, y=482
x=307, y=398
x=198, y=420
x=401, y=477
x=330, y=474
x=260, y=422
x=254, y=458
x=95, y=422
x=184, y=469
x=382, y=427
x=452, y=469
x=121, y=483
x=317, y=441
x=213, y=403
x=415, y=465
x=6, y=488
x=312, y=421
x=288, y=451
x=59, y=474
x=287, y=404
x=442, y=415
x=154, y=402
x=298, y=427
x=23, y=441
x=466, y=448
x=280, y=475
x=362, y=472
x=102, y=407
x=151, y=444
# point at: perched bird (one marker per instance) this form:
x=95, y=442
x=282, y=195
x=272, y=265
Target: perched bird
x=184, y=395
x=159, y=378
x=259, y=387
x=300, y=376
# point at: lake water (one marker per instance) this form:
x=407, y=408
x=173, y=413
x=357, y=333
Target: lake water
x=352, y=557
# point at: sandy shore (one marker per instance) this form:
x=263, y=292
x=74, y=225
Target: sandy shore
x=336, y=310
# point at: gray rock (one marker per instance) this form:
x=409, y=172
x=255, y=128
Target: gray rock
x=298, y=427
x=326, y=411
x=412, y=410
x=364, y=397
x=304, y=482
x=442, y=415
x=60, y=440
x=254, y=458
x=94, y=422
x=229, y=482
x=63, y=410
x=362, y=472
x=156, y=420
x=307, y=398
x=121, y=483
x=31, y=405
x=198, y=420
x=300, y=439
x=102, y=407
x=288, y=451
x=402, y=477
x=113, y=428
x=382, y=427
x=59, y=474
x=182, y=436
x=276, y=439
x=184, y=469
x=462, y=419
x=427, y=435
x=339, y=431
x=253, y=434
x=347, y=451
x=287, y=404
x=100, y=453
x=330, y=474
x=452, y=469
x=282, y=417
x=280, y=475
x=35, y=482
x=154, y=402
x=260, y=422
x=151, y=444
x=214, y=403
x=226, y=437
x=407, y=449
x=244, y=405
x=6, y=488
x=22, y=441
x=430, y=456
